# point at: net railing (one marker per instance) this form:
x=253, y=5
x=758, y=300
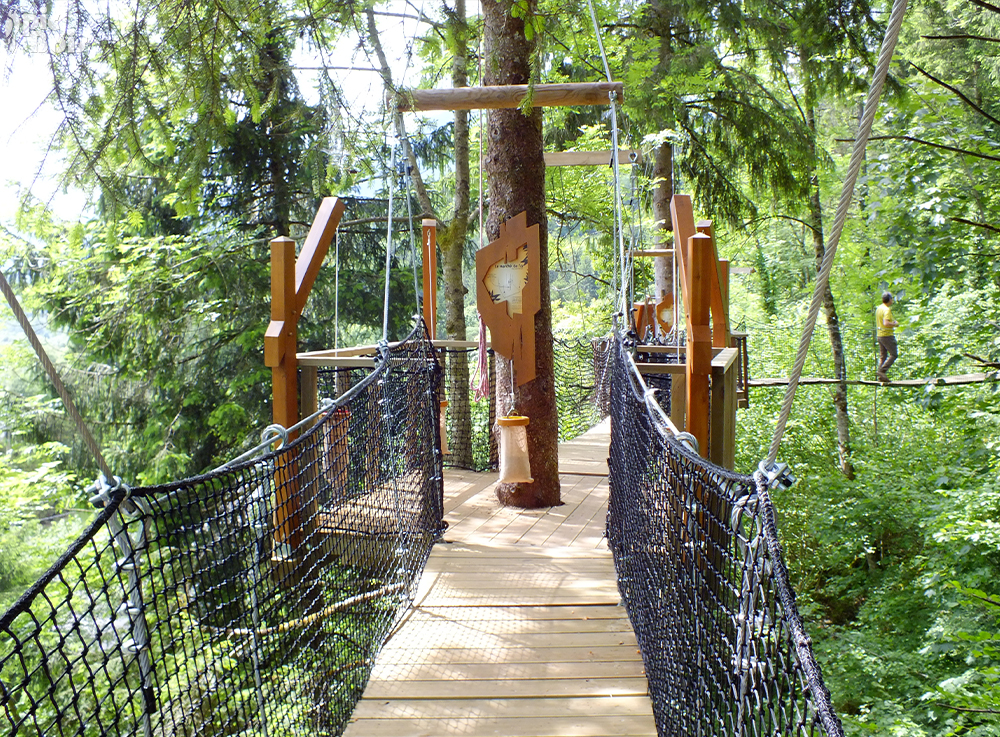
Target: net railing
x=582, y=370
x=249, y=601
x=701, y=575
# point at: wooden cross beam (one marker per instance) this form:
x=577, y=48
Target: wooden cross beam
x=510, y=96
x=590, y=158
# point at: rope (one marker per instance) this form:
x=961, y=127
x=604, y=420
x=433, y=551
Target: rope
x=413, y=245
x=388, y=243
x=846, y=195
x=53, y=375
x=481, y=386
x=612, y=97
x=336, y=291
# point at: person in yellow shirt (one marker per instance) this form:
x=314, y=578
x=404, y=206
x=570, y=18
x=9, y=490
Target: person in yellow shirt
x=885, y=331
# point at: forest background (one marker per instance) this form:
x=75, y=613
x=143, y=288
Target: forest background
x=194, y=132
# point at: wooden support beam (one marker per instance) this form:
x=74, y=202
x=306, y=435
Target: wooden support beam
x=590, y=158
x=725, y=369
x=291, y=281
x=510, y=96
x=720, y=296
x=314, y=250
x=279, y=352
x=430, y=275
x=700, y=266
x=682, y=215
x=674, y=369
x=280, y=337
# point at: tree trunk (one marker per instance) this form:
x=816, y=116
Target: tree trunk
x=452, y=243
x=515, y=175
x=829, y=306
x=663, y=191
x=663, y=165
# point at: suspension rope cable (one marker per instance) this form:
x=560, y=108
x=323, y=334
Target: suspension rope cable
x=413, y=245
x=388, y=242
x=846, y=195
x=54, y=377
x=336, y=290
x=619, y=238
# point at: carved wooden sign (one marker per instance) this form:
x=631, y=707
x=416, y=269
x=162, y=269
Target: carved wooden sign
x=508, y=294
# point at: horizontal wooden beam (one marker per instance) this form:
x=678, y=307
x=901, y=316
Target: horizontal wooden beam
x=590, y=158
x=510, y=96
x=652, y=253
x=315, y=358
x=661, y=368
x=365, y=362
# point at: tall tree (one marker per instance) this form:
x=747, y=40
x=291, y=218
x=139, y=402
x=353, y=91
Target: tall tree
x=515, y=174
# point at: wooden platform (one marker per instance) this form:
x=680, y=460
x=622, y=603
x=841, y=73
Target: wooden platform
x=517, y=628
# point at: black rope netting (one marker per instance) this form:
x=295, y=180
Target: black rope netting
x=249, y=601
x=581, y=378
x=701, y=575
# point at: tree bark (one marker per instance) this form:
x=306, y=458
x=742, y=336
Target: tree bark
x=663, y=191
x=663, y=165
x=815, y=220
x=515, y=175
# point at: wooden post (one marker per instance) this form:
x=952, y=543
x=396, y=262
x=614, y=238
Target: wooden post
x=281, y=336
x=291, y=282
x=279, y=354
x=725, y=368
x=430, y=276
x=720, y=295
x=700, y=265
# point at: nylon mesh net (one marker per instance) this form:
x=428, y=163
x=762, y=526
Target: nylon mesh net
x=249, y=601
x=581, y=377
x=701, y=575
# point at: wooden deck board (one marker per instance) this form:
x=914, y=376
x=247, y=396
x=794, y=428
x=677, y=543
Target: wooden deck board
x=517, y=628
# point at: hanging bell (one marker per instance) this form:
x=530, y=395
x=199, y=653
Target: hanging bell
x=443, y=428
x=514, y=465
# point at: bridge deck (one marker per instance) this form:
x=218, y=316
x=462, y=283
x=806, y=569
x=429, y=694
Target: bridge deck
x=516, y=629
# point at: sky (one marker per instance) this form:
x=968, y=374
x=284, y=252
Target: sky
x=30, y=121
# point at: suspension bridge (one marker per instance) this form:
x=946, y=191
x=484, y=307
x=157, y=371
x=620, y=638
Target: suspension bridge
x=342, y=583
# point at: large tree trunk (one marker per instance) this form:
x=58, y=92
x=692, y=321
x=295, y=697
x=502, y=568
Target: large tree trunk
x=452, y=243
x=515, y=175
x=663, y=191
x=663, y=165
x=829, y=306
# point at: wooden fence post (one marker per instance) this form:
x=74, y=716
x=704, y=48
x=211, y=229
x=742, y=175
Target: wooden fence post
x=279, y=353
x=699, y=348
x=430, y=275
x=291, y=281
x=719, y=286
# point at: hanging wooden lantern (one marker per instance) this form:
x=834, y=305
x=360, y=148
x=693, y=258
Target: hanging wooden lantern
x=443, y=428
x=514, y=465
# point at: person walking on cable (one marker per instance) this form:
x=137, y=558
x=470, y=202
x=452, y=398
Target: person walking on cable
x=885, y=330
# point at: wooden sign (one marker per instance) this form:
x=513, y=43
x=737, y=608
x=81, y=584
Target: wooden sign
x=508, y=294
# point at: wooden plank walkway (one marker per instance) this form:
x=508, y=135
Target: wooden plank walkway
x=517, y=629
